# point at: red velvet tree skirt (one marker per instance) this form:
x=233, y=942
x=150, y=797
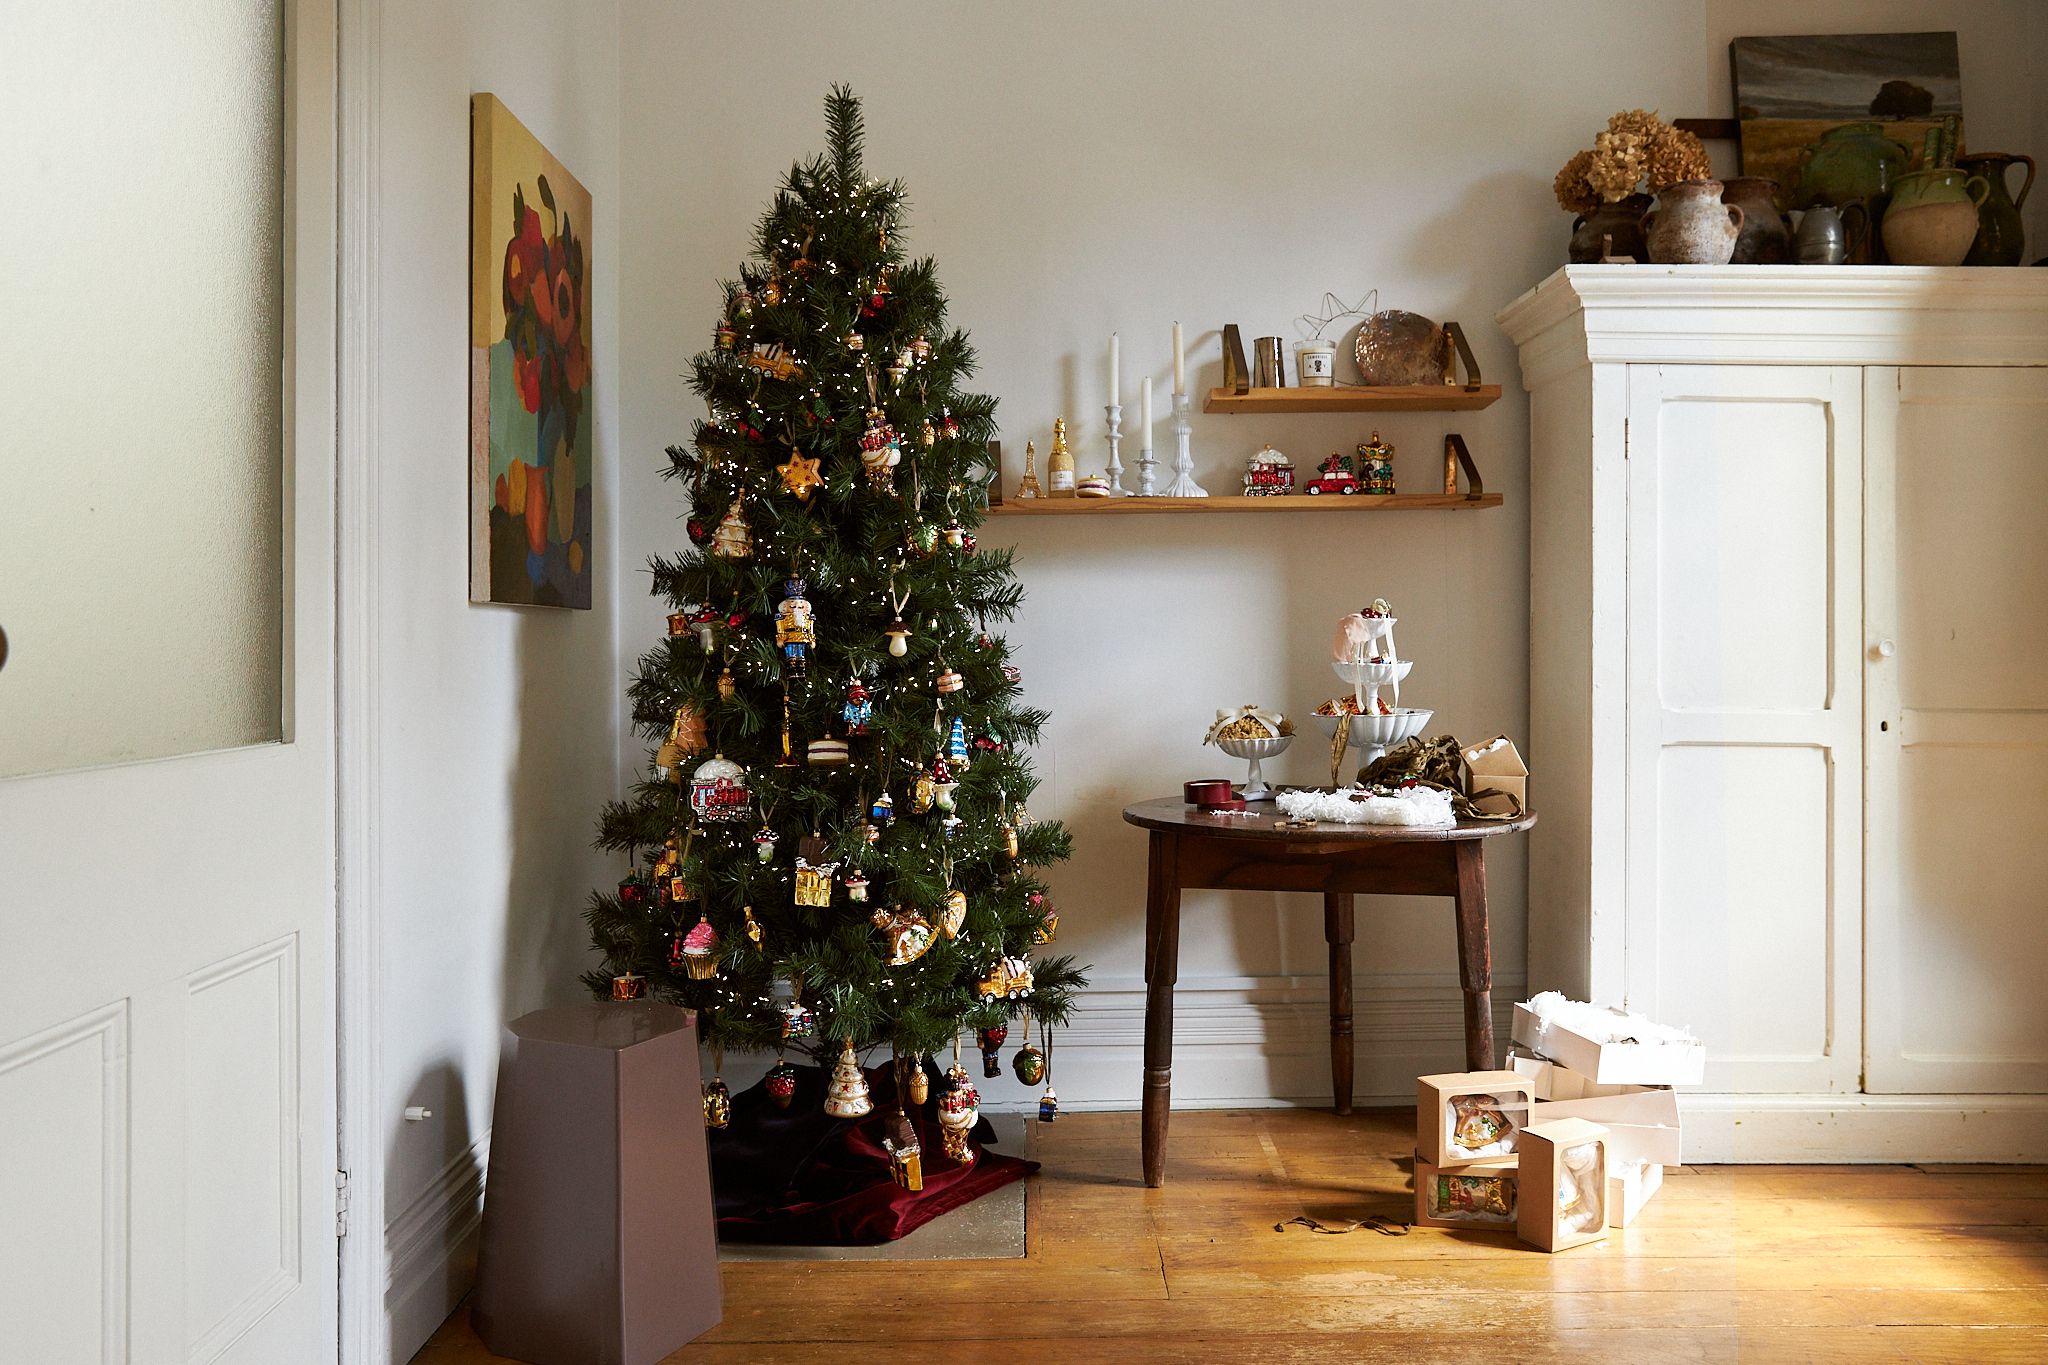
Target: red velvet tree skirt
x=799, y=1176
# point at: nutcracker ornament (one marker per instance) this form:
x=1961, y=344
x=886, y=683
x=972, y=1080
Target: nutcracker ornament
x=991, y=1042
x=847, y=1095
x=795, y=632
x=780, y=1083
x=859, y=708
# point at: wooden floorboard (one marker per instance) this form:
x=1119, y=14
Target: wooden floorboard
x=1756, y=1263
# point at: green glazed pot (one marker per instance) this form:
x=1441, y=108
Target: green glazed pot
x=2001, y=240
x=1854, y=161
x=1938, y=185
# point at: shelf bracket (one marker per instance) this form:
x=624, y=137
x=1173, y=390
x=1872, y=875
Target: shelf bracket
x=1456, y=456
x=1456, y=335
x=1237, y=377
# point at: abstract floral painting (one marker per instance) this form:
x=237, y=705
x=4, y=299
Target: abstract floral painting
x=530, y=448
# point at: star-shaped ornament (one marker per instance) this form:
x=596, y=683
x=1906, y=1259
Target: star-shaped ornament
x=800, y=476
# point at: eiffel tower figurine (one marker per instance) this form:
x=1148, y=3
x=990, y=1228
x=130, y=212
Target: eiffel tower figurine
x=1027, y=487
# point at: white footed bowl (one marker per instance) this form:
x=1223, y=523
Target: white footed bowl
x=1372, y=675
x=1380, y=732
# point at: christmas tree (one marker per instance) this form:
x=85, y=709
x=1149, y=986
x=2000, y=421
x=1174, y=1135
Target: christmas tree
x=832, y=841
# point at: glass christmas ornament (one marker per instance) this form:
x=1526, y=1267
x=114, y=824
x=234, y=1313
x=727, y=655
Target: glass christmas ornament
x=706, y=621
x=780, y=1083
x=795, y=632
x=717, y=1103
x=956, y=744
x=949, y=682
x=883, y=810
x=1010, y=844
x=733, y=539
x=859, y=708
x=633, y=893
x=908, y=932
x=814, y=883
x=880, y=452
x=727, y=685
x=951, y=826
x=899, y=638
x=828, y=753
x=1029, y=1064
x=718, y=790
x=751, y=926
x=699, y=950
x=920, y=1083
x=847, y=1096
x=800, y=475
x=870, y=831
x=943, y=783
x=954, y=913
x=991, y=1041
x=727, y=335
x=797, y=1021
x=628, y=986
x=856, y=886
x=678, y=623
x=959, y=1110
x=1048, y=1106
x=764, y=844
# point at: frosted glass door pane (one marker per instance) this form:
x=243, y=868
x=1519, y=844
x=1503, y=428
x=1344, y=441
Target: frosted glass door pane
x=141, y=456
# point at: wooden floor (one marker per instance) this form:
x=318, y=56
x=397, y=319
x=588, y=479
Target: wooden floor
x=1766, y=1263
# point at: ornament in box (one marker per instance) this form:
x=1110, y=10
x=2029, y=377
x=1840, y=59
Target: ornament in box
x=954, y=914
x=628, y=986
x=1268, y=474
x=718, y=790
x=795, y=631
x=700, y=950
x=859, y=708
x=959, y=1110
x=717, y=1103
x=847, y=1095
x=780, y=1083
x=909, y=934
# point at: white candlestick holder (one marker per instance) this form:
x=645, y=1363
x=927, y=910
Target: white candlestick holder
x=1148, y=474
x=1183, y=485
x=1114, y=414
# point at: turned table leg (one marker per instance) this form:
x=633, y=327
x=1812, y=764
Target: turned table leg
x=1337, y=930
x=1475, y=954
x=1162, y=965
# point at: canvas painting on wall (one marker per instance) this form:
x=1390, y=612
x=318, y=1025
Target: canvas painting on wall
x=530, y=447
x=1790, y=90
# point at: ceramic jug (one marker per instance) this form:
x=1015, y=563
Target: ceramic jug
x=1765, y=239
x=1932, y=219
x=1691, y=226
x=1621, y=221
x=1854, y=161
x=1832, y=236
x=2001, y=240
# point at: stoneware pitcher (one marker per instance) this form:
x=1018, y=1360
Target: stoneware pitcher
x=1691, y=226
x=1854, y=161
x=2001, y=240
x=1932, y=219
x=1765, y=240
x=1620, y=222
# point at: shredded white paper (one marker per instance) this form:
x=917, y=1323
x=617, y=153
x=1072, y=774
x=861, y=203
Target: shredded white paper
x=1601, y=1023
x=1423, y=807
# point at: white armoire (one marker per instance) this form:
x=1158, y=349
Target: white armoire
x=1789, y=691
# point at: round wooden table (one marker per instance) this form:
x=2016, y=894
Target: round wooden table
x=1248, y=851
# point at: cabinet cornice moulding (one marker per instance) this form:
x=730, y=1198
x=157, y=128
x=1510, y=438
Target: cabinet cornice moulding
x=1794, y=315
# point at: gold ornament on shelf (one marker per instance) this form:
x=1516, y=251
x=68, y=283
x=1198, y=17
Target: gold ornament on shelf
x=1059, y=466
x=799, y=475
x=1027, y=487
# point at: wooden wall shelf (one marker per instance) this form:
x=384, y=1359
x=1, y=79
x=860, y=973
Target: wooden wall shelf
x=1356, y=398
x=1295, y=502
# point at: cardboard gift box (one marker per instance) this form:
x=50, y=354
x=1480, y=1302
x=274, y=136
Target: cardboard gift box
x=1641, y=1120
x=1563, y=1173
x=1610, y=1046
x=1469, y=1197
x=1490, y=1107
x=1629, y=1186
x=1496, y=779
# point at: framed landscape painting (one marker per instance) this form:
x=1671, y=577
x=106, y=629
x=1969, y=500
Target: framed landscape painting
x=1790, y=90
x=530, y=447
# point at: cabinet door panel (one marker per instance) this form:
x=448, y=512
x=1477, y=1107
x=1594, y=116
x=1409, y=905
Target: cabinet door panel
x=1744, y=866
x=1958, y=731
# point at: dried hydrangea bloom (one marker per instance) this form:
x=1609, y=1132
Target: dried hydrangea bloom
x=1674, y=157
x=1574, y=193
x=1617, y=167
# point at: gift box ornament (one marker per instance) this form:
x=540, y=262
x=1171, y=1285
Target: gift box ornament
x=1496, y=778
x=1470, y=1198
x=1467, y=1117
x=1563, y=1173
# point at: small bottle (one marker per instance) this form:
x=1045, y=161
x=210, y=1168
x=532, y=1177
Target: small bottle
x=1059, y=466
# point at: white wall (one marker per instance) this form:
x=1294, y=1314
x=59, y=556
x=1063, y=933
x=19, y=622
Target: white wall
x=1077, y=168
x=496, y=727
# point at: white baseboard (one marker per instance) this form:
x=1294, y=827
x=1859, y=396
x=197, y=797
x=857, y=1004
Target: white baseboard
x=1864, y=1128
x=1245, y=1042
x=430, y=1249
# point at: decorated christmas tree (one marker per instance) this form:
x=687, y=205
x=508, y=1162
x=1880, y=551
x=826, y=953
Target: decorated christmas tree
x=831, y=845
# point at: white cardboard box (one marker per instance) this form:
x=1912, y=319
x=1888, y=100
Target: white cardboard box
x=1674, y=1062
x=1629, y=1186
x=1641, y=1121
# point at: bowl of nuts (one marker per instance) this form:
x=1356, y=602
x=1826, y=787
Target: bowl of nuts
x=1251, y=733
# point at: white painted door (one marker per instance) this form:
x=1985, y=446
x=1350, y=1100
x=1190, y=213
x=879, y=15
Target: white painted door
x=1745, y=697
x=166, y=722
x=1957, y=731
